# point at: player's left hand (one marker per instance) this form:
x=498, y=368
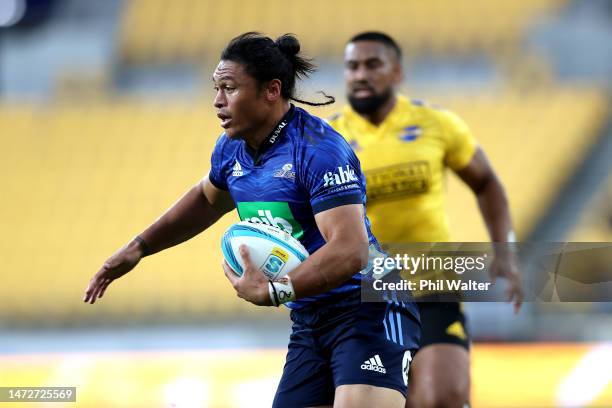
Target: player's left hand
x=505, y=265
x=252, y=286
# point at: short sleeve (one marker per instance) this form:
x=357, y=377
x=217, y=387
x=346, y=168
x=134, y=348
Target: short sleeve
x=331, y=174
x=460, y=144
x=216, y=174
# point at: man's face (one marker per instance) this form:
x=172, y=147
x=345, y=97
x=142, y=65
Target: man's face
x=238, y=100
x=371, y=73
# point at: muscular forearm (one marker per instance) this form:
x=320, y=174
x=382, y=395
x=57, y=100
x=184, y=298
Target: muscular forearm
x=188, y=217
x=495, y=212
x=330, y=266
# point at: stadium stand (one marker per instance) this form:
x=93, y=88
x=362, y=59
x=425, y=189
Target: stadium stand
x=595, y=224
x=96, y=174
x=534, y=141
x=157, y=31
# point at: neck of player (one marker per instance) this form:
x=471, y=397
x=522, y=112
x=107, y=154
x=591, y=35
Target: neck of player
x=377, y=117
x=257, y=137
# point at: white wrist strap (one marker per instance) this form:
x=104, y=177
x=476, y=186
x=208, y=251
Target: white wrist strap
x=281, y=291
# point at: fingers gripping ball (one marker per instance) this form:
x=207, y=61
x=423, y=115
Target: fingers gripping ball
x=274, y=251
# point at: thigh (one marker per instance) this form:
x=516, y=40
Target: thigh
x=440, y=376
x=440, y=372
x=307, y=379
x=367, y=396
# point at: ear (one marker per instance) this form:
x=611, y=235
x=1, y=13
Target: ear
x=398, y=72
x=272, y=90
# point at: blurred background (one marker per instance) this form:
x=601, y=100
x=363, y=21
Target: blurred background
x=106, y=118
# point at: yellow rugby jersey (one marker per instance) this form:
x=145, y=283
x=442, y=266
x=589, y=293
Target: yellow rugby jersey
x=404, y=160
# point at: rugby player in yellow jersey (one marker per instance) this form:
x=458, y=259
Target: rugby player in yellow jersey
x=404, y=148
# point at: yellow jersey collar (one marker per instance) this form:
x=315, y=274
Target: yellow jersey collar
x=400, y=109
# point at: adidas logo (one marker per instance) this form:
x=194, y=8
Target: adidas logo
x=237, y=170
x=374, y=364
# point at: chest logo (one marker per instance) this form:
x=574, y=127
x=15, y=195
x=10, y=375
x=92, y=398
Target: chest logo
x=285, y=172
x=410, y=133
x=276, y=214
x=266, y=217
x=397, y=181
x=237, y=170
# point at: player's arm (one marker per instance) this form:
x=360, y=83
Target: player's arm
x=344, y=253
x=493, y=204
x=195, y=211
x=491, y=196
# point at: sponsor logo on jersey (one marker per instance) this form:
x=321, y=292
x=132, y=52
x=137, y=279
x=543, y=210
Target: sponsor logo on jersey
x=344, y=175
x=410, y=133
x=398, y=180
x=285, y=172
x=266, y=217
x=276, y=214
x=277, y=132
x=374, y=364
x=237, y=170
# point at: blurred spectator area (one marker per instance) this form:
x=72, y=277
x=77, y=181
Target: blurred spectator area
x=595, y=223
x=158, y=31
x=90, y=161
x=85, y=179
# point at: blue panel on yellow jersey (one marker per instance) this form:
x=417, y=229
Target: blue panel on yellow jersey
x=411, y=133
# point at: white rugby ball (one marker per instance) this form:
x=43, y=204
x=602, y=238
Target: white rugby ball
x=274, y=251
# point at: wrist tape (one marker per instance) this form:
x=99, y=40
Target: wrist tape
x=281, y=291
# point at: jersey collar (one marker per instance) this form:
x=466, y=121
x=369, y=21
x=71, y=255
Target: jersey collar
x=399, y=110
x=273, y=137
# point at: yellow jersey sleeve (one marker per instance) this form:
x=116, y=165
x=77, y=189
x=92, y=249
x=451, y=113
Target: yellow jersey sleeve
x=460, y=144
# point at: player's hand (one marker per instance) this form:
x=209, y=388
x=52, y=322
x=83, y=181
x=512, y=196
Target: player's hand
x=115, y=267
x=505, y=265
x=252, y=286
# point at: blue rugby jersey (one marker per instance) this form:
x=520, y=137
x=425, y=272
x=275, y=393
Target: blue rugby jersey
x=302, y=168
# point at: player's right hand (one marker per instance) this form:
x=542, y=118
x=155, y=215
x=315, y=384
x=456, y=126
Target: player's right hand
x=115, y=267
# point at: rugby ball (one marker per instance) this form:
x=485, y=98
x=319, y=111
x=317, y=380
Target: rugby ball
x=274, y=251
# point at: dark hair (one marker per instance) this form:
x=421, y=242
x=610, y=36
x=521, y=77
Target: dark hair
x=265, y=59
x=377, y=36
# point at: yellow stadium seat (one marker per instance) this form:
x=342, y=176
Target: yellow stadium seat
x=85, y=179
x=184, y=30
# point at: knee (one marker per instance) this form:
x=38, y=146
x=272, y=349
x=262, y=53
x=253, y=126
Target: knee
x=447, y=396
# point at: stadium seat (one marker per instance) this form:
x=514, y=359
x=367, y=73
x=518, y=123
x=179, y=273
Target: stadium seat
x=158, y=31
x=95, y=175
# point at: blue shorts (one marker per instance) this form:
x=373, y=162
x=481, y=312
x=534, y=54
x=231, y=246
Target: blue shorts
x=341, y=340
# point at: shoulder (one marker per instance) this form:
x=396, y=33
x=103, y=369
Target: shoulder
x=445, y=118
x=316, y=134
x=224, y=152
x=335, y=120
x=225, y=144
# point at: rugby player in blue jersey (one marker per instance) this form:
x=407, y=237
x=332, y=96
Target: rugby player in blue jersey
x=276, y=159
